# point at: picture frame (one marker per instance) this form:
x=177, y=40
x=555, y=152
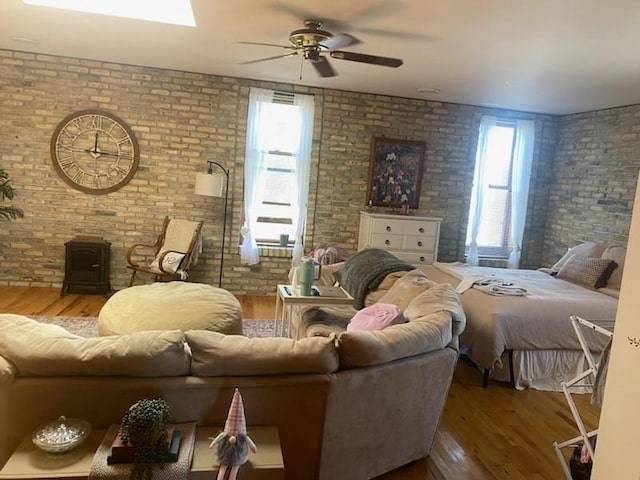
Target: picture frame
x=395, y=173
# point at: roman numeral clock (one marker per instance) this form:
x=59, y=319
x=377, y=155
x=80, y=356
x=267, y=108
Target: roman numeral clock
x=94, y=151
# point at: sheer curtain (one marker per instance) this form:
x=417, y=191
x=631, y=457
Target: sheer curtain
x=260, y=141
x=256, y=149
x=521, y=173
x=486, y=124
x=303, y=163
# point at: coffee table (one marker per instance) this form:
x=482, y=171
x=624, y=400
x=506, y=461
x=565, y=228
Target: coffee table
x=288, y=296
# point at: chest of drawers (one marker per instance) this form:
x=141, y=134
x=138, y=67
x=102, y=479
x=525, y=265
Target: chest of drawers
x=410, y=238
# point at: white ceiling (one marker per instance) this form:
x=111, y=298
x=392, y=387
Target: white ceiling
x=551, y=56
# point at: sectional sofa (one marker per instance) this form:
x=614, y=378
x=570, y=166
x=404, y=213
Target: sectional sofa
x=347, y=406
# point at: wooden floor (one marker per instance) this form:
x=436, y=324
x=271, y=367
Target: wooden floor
x=485, y=433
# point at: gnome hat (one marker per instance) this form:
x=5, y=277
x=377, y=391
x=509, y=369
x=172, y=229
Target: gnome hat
x=236, y=423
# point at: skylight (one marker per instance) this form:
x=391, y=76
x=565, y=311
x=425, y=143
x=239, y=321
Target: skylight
x=177, y=12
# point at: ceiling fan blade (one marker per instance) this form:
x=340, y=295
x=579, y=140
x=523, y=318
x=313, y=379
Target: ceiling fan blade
x=290, y=54
x=323, y=67
x=340, y=40
x=288, y=47
x=372, y=59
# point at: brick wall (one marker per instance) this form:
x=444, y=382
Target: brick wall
x=594, y=180
x=183, y=119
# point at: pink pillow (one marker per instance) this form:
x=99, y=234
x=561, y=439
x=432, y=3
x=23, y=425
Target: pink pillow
x=376, y=317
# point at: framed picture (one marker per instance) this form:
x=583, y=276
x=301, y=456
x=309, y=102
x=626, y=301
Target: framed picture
x=395, y=173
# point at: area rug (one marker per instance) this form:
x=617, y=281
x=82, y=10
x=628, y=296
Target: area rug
x=88, y=326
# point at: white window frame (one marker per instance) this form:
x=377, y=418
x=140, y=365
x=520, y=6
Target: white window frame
x=516, y=187
x=264, y=146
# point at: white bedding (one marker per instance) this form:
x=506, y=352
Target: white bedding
x=537, y=321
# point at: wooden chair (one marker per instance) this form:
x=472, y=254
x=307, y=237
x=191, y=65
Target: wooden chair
x=173, y=252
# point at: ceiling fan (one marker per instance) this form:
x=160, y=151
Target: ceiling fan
x=312, y=42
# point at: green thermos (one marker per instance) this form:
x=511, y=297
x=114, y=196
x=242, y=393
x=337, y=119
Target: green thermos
x=306, y=275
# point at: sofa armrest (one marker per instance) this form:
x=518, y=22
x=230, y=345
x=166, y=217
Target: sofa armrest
x=8, y=371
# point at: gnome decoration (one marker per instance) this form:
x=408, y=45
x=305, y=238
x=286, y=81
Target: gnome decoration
x=233, y=444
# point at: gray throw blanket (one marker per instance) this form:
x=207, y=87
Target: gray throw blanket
x=365, y=270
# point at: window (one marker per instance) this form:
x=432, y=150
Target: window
x=278, y=157
x=279, y=125
x=500, y=188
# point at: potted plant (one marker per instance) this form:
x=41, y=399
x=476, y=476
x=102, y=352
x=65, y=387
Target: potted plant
x=144, y=425
x=6, y=192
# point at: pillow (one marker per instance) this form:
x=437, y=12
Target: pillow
x=586, y=249
x=388, y=282
x=171, y=261
x=617, y=254
x=406, y=288
x=611, y=292
x=376, y=317
x=588, y=271
x=330, y=253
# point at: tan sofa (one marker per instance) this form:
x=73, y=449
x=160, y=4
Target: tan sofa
x=351, y=406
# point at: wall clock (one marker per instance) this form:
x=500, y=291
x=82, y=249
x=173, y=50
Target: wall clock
x=94, y=151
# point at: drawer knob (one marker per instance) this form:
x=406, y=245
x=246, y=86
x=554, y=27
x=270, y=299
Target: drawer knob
x=421, y=230
x=422, y=259
x=387, y=242
x=95, y=265
x=419, y=244
x=388, y=229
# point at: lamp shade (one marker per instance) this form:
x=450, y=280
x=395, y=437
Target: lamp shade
x=209, y=184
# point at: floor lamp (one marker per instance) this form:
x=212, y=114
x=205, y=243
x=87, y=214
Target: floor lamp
x=211, y=185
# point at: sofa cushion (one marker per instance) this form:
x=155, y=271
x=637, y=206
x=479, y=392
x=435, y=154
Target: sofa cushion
x=440, y=298
x=617, y=254
x=588, y=271
x=435, y=317
x=406, y=288
x=363, y=348
x=37, y=349
x=376, y=317
x=215, y=354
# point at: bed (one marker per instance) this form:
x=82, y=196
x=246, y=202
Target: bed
x=528, y=339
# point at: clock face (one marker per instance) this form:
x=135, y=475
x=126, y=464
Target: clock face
x=94, y=151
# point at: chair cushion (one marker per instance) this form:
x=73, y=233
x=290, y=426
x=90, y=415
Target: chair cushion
x=179, y=235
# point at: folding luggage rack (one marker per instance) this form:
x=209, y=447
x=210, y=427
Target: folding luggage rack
x=587, y=378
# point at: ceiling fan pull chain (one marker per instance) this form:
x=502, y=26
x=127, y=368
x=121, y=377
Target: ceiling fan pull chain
x=301, y=65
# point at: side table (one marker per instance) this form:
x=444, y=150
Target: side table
x=287, y=296
x=28, y=462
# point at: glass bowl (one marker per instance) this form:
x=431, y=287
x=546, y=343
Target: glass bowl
x=61, y=435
